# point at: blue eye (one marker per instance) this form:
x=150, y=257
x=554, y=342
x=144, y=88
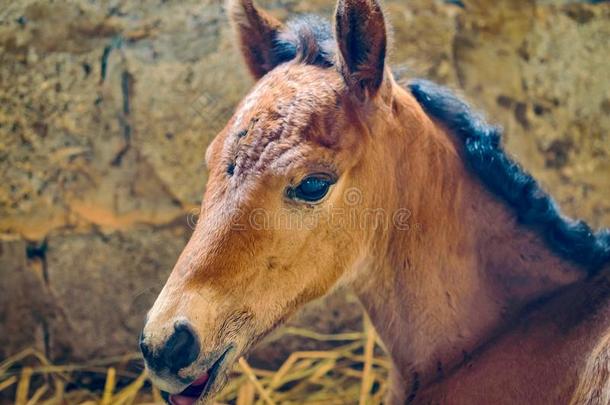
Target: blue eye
x=312, y=188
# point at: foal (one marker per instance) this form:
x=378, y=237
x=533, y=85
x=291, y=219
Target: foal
x=329, y=174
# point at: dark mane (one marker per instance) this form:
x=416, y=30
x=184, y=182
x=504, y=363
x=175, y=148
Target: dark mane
x=573, y=240
x=308, y=38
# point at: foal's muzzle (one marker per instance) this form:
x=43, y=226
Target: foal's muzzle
x=180, y=350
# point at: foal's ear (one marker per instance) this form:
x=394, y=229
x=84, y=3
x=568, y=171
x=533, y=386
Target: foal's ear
x=361, y=37
x=256, y=32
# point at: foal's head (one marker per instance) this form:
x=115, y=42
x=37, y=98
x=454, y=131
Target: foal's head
x=274, y=231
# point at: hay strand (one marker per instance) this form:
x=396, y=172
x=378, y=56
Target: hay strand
x=367, y=372
x=37, y=395
x=246, y=394
x=156, y=394
x=259, y=388
x=109, y=387
x=23, y=387
x=7, y=383
x=129, y=393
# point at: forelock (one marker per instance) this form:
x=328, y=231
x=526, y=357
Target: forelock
x=307, y=38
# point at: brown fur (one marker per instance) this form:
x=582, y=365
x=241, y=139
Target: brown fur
x=254, y=27
x=448, y=295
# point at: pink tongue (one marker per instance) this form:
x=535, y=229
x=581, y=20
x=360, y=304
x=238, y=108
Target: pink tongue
x=180, y=399
x=200, y=381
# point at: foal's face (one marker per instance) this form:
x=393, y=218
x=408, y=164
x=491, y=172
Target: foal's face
x=273, y=231
x=286, y=176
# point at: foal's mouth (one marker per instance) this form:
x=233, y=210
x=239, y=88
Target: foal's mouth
x=201, y=386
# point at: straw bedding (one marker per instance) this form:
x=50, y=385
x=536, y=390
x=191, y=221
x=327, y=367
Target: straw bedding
x=353, y=372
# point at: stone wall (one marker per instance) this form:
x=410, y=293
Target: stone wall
x=106, y=109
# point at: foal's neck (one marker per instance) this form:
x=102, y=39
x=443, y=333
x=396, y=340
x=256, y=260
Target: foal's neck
x=462, y=270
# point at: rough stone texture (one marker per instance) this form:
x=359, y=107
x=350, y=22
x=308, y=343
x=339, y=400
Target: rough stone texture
x=24, y=304
x=112, y=282
x=106, y=109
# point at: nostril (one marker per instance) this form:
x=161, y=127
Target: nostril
x=182, y=348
